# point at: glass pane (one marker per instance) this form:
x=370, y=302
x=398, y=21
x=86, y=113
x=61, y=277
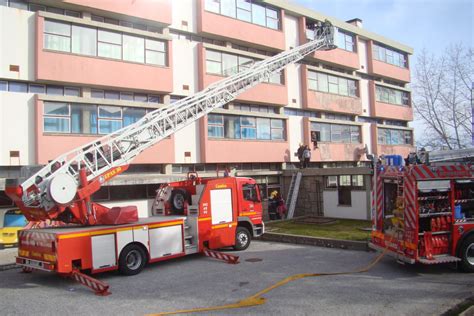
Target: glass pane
x=215, y=119
x=83, y=119
x=325, y=132
x=215, y=131
x=54, y=90
x=277, y=134
x=155, y=58
x=55, y=10
x=56, y=42
x=110, y=50
x=232, y=127
x=244, y=15
x=155, y=45
x=97, y=94
x=56, y=125
x=228, y=8
x=344, y=180
x=272, y=13
x=133, y=48
x=272, y=23
x=343, y=90
x=109, y=126
x=34, y=7
x=213, y=55
x=110, y=37
x=84, y=40
x=323, y=82
x=212, y=5
x=263, y=128
x=247, y=121
x=75, y=92
x=73, y=13
x=132, y=115
x=56, y=108
x=35, y=88
x=258, y=14
x=59, y=28
x=245, y=63
x=3, y=85
x=113, y=95
x=213, y=67
x=249, y=133
x=229, y=64
x=110, y=112
x=244, y=4
x=140, y=97
x=277, y=123
x=154, y=99
x=126, y=96
x=18, y=87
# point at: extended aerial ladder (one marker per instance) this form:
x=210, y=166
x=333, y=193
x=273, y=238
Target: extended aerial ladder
x=62, y=189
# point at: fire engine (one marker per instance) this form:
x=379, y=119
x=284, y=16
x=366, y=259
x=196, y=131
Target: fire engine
x=189, y=216
x=424, y=213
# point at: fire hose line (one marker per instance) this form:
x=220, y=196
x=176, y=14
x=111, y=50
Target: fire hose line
x=257, y=298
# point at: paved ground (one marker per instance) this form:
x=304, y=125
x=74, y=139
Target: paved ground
x=195, y=281
x=7, y=255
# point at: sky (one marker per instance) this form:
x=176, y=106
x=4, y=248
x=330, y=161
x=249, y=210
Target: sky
x=421, y=24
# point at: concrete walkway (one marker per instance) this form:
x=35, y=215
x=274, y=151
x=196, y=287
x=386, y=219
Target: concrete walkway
x=7, y=256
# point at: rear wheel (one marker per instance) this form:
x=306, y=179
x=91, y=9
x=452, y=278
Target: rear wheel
x=132, y=260
x=242, y=238
x=467, y=254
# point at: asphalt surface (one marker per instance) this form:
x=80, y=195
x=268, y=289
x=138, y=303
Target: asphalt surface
x=197, y=281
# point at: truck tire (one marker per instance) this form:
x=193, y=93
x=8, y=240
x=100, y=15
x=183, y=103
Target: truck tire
x=132, y=260
x=177, y=199
x=467, y=254
x=242, y=238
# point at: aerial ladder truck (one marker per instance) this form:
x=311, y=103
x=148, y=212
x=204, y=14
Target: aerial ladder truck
x=189, y=216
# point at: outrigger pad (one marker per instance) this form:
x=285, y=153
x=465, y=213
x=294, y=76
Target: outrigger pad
x=120, y=215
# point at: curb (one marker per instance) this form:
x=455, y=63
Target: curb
x=9, y=266
x=316, y=241
x=464, y=308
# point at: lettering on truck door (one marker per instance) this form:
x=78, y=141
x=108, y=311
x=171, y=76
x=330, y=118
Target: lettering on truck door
x=223, y=226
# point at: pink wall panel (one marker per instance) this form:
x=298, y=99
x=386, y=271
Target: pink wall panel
x=156, y=10
x=339, y=57
x=66, y=67
x=216, y=24
x=50, y=146
x=383, y=69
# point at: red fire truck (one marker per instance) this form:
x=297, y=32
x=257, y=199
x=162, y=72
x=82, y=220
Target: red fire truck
x=189, y=217
x=425, y=213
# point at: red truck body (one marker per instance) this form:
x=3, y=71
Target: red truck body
x=213, y=214
x=425, y=213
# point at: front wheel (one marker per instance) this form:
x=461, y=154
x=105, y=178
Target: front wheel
x=467, y=255
x=242, y=238
x=132, y=260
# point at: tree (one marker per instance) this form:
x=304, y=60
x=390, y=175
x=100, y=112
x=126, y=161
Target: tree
x=442, y=97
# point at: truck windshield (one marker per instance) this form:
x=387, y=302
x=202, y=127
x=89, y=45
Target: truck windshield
x=250, y=192
x=14, y=219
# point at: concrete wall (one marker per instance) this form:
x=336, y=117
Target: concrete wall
x=17, y=127
x=358, y=209
x=17, y=29
x=184, y=15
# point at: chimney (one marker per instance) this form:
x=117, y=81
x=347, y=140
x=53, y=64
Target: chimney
x=357, y=22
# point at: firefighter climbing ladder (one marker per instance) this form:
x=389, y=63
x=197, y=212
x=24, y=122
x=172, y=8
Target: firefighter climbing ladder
x=293, y=193
x=122, y=146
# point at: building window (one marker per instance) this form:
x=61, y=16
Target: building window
x=322, y=82
x=245, y=10
x=60, y=117
x=345, y=184
x=245, y=127
x=90, y=41
x=392, y=96
x=224, y=64
x=346, y=41
x=299, y=112
x=388, y=136
x=336, y=133
x=389, y=56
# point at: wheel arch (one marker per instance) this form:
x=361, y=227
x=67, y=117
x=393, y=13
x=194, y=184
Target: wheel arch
x=246, y=223
x=461, y=240
x=139, y=244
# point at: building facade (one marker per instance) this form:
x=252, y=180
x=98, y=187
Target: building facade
x=74, y=70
